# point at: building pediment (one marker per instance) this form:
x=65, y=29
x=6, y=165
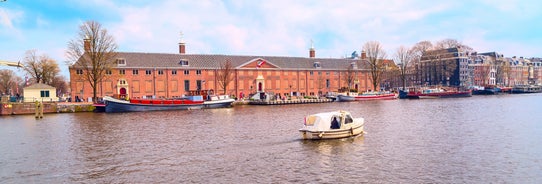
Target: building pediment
x=258, y=63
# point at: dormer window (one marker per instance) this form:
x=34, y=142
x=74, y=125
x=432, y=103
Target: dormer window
x=317, y=65
x=121, y=62
x=183, y=62
x=353, y=65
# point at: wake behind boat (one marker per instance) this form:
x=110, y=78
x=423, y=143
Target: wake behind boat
x=331, y=125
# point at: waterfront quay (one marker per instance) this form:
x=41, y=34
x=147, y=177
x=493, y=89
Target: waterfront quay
x=9, y=108
x=72, y=107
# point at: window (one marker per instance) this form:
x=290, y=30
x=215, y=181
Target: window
x=186, y=85
x=348, y=119
x=187, y=72
x=121, y=62
x=198, y=72
x=311, y=73
x=173, y=72
x=353, y=65
x=79, y=72
x=44, y=93
x=316, y=65
x=108, y=72
x=160, y=72
x=148, y=72
x=122, y=82
x=327, y=83
x=135, y=72
x=183, y=62
x=122, y=72
x=198, y=85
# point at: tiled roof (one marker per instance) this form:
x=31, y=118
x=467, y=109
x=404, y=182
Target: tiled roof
x=39, y=86
x=203, y=61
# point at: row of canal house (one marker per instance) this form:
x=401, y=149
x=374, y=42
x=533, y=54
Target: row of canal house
x=457, y=67
x=157, y=75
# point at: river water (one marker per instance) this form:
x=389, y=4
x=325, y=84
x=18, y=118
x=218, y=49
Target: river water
x=482, y=139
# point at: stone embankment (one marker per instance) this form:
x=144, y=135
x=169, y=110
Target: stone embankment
x=48, y=107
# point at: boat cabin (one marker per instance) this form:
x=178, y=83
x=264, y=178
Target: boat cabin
x=328, y=120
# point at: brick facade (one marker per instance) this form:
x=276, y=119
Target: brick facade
x=145, y=75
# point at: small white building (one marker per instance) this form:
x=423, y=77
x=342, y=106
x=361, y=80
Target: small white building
x=40, y=92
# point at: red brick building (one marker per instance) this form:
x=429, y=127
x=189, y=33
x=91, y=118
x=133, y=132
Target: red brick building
x=147, y=75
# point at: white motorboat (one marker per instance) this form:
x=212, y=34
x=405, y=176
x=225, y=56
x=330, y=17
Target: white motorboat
x=331, y=125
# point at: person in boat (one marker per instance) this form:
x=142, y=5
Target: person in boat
x=335, y=123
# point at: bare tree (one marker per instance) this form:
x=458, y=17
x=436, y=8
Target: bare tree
x=8, y=81
x=418, y=50
x=320, y=82
x=375, y=60
x=59, y=82
x=403, y=56
x=349, y=76
x=452, y=43
x=42, y=68
x=93, y=51
x=225, y=75
x=503, y=72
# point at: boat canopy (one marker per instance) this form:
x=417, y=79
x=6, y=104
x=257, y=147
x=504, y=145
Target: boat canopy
x=322, y=121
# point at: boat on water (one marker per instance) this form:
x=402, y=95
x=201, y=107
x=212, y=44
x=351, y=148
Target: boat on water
x=141, y=105
x=375, y=95
x=437, y=93
x=331, y=125
x=485, y=90
x=218, y=101
x=527, y=89
x=197, y=99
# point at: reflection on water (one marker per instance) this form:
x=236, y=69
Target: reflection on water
x=469, y=140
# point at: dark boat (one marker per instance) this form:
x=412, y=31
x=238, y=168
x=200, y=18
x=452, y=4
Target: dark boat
x=99, y=107
x=139, y=105
x=438, y=93
x=486, y=90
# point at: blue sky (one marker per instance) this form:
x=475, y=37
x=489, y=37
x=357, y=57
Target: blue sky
x=271, y=28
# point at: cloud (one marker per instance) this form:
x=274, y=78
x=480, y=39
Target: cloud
x=8, y=18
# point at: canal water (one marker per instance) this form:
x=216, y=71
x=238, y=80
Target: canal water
x=482, y=139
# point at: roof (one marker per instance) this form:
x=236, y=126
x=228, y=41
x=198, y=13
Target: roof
x=213, y=61
x=39, y=86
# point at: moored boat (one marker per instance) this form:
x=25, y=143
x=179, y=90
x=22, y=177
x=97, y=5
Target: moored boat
x=220, y=101
x=378, y=95
x=487, y=90
x=331, y=125
x=527, y=89
x=438, y=93
x=139, y=105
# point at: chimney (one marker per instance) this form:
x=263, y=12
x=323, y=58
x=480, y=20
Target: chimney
x=312, y=52
x=86, y=44
x=363, y=55
x=182, y=48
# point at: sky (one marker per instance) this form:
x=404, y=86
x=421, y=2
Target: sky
x=271, y=28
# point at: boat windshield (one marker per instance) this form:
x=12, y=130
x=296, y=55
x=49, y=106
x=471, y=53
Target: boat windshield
x=309, y=121
x=348, y=119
